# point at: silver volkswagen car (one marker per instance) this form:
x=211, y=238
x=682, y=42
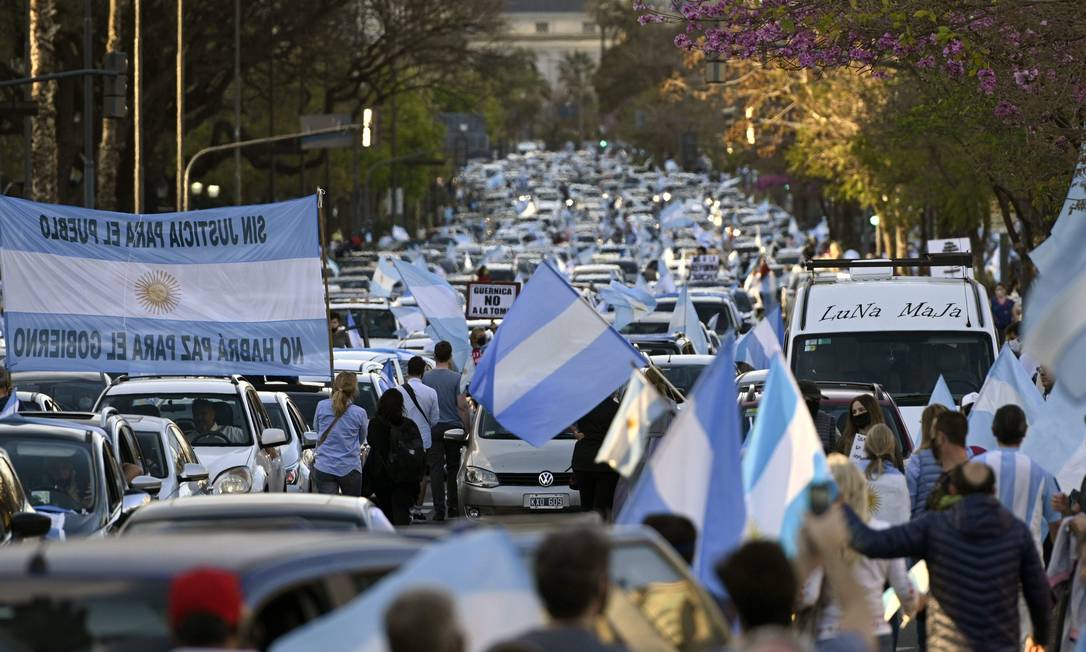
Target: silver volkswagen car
x=502, y=474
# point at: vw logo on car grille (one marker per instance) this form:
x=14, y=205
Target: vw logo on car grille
x=546, y=479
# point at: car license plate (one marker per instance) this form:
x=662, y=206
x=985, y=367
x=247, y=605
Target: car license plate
x=546, y=501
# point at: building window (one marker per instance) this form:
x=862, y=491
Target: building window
x=588, y=28
x=542, y=28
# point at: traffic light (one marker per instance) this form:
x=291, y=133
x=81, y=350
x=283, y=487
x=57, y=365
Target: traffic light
x=115, y=86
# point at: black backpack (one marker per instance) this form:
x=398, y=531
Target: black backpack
x=406, y=456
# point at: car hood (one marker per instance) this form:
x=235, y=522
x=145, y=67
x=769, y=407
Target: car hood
x=517, y=456
x=217, y=459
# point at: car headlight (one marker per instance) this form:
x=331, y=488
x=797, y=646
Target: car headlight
x=237, y=480
x=478, y=477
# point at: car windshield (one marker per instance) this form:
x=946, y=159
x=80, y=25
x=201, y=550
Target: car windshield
x=742, y=301
x=375, y=322
x=491, y=429
x=837, y=410
x=154, y=457
x=646, y=328
x=93, y=614
x=682, y=376
x=73, y=394
x=206, y=419
x=366, y=397
x=906, y=363
x=55, y=473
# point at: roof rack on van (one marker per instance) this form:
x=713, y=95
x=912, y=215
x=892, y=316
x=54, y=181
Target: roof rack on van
x=927, y=260
x=125, y=377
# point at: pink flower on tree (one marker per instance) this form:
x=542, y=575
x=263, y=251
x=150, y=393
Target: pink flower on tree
x=1005, y=110
x=986, y=79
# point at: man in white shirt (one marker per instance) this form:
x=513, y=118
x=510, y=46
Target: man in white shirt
x=421, y=406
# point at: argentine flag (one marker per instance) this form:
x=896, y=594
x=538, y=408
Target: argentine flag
x=384, y=278
x=1007, y=383
x=441, y=304
x=1055, y=315
x=630, y=304
x=759, y=346
x=684, y=319
x=783, y=457
x=553, y=359
x=665, y=283
x=941, y=395
x=482, y=571
x=695, y=472
x=236, y=290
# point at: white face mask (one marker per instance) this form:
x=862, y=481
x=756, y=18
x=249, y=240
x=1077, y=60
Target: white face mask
x=1016, y=346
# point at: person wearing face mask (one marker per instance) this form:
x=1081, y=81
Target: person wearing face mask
x=948, y=446
x=863, y=412
x=825, y=424
x=1012, y=336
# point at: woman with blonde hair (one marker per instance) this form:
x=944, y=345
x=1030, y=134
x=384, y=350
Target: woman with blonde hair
x=863, y=412
x=871, y=574
x=890, y=494
x=342, y=428
x=923, y=470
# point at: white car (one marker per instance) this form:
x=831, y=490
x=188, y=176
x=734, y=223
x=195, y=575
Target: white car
x=297, y=461
x=239, y=447
x=168, y=456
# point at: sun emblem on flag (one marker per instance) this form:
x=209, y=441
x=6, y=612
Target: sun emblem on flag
x=158, y=292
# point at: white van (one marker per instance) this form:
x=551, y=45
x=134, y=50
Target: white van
x=864, y=323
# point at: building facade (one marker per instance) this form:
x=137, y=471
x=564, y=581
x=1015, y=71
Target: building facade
x=552, y=29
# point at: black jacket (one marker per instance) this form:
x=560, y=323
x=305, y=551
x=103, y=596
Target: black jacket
x=378, y=437
x=594, y=425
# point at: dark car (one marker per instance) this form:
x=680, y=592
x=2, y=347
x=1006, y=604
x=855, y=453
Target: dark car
x=17, y=518
x=72, y=390
x=836, y=398
x=111, y=593
x=257, y=513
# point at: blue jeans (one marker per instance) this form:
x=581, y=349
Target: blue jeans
x=349, y=485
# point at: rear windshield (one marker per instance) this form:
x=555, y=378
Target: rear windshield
x=374, y=322
x=72, y=394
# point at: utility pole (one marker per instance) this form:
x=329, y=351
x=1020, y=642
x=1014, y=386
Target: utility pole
x=237, y=101
x=137, y=125
x=180, y=125
x=89, y=183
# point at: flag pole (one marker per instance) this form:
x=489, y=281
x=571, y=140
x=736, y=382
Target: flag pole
x=324, y=277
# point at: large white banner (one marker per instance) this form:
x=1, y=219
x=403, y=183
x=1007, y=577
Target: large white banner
x=221, y=291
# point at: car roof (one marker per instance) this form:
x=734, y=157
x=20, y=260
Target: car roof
x=174, y=385
x=272, y=505
x=21, y=427
x=163, y=556
x=676, y=360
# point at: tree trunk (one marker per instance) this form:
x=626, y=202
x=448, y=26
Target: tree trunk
x=113, y=131
x=43, y=157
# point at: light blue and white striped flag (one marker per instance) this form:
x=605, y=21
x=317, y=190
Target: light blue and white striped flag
x=696, y=472
x=630, y=304
x=482, y=571
x=1058, y=433
x=553, y=359
x=384, y=278
x=409, y=319
x=354, y=335
x=684, y=319
x=11, y=406
x=941, y=394
x=441, y=304
x=1055, y=314
x=213, y=292
x=627, y=438
x=665, y=283
x=759, y=346
x=783, y=457
x=1007, y=383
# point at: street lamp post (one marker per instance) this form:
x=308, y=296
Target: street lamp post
x=247, y=143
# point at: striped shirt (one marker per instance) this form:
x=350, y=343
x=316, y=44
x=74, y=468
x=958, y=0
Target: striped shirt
x=1024, y=488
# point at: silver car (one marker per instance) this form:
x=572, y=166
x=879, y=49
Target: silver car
x=169, y=457
x=502, y=474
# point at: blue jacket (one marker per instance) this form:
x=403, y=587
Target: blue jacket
x=921, y=472
x=977, y=554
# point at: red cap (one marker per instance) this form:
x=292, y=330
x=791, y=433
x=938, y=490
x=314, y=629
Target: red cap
x=205, y=590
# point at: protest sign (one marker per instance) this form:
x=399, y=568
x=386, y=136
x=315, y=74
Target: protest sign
x=704, y=268
x=490, y=300
x=233, y=290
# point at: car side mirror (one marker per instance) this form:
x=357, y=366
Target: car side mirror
x=309, y=439
x=193, y=473
x=146, y=483
x=29, y=525
x=133, y=500
x=273, y=437
x=456, y=434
